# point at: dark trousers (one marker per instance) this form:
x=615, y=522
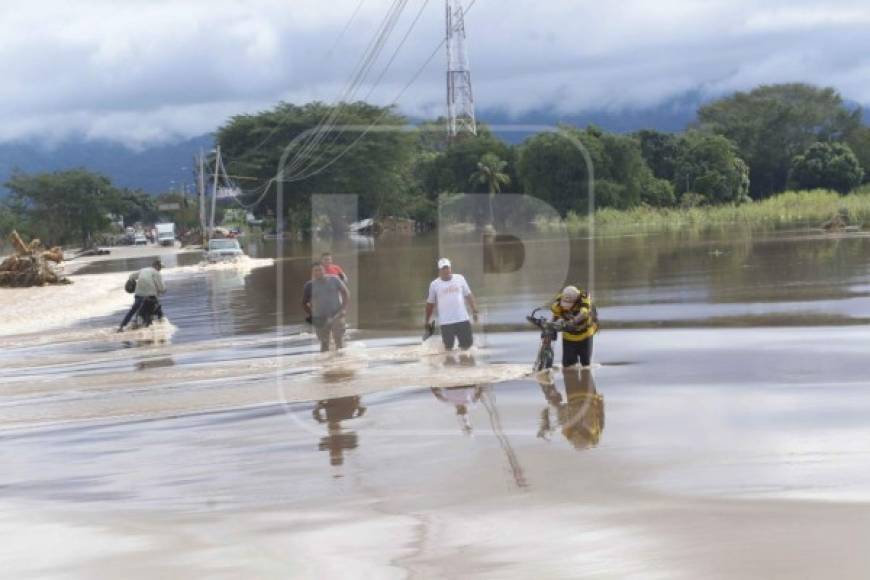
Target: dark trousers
x=458, y=330
x=576, y=350
x=147, y=306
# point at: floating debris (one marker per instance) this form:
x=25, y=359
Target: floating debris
x=31, y=265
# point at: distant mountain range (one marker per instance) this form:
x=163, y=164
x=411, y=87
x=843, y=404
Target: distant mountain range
x=155, y=170
x=165, y=167
x=671, y=117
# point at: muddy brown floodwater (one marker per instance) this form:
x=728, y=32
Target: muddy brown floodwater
x=722, y=431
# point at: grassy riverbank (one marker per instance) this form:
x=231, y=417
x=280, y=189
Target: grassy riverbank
x=789, y=209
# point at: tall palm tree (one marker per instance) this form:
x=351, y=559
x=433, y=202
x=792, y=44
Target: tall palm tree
x=490, y=172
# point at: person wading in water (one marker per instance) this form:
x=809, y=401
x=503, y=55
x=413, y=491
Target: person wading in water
x=149, y=285
x=325, y=300
x=449, y=293
x=575, y=307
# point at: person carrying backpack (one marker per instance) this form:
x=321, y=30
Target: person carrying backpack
x=148, y=286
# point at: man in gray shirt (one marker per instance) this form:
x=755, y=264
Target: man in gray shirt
x=325, y=300
x=149, y=284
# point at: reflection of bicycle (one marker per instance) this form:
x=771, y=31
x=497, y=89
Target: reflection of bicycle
x=550, y=330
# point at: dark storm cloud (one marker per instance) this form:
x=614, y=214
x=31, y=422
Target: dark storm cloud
x=142, y=73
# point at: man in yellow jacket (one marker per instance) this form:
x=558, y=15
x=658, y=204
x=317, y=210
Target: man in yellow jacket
x=575, y=307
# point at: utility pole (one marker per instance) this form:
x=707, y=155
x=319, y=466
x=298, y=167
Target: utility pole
x=217, y=164
x=200, y=188
x=460, y=98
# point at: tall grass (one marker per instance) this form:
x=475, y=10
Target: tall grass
x=789, y=209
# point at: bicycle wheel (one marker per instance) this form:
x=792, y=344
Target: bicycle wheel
x=547, y=353
x=539, y=361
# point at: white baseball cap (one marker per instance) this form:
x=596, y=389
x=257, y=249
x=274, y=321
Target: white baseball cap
x=443, y=263
x=569, y=296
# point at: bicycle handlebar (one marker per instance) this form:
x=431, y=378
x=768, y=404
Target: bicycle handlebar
x=551, y=325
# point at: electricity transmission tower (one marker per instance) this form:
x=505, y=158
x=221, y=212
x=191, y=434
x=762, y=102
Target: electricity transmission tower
x=460, y=99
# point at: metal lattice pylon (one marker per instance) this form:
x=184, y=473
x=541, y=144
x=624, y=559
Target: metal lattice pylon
x=460, y=98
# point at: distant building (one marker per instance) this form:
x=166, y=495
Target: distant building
x=251, y=220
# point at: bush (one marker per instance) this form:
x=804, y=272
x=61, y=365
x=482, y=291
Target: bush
x=827, y=165
x=658, y=193
x=691, y=199
x=607, y=194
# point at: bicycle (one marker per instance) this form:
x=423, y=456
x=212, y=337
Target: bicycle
x=550, y=330
x=148, y=311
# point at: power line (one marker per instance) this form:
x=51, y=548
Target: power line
x=366, y=63
x=383, y=115
x=379, y=79
x=319, y=129
x=345, y=29
x=362, y=69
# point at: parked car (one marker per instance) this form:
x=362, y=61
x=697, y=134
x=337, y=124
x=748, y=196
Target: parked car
x=140, y=239
x=223, y=249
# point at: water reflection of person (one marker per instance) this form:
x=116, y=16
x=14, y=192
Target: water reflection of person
x=333, y=412
x=580, y=415
x=462, y=398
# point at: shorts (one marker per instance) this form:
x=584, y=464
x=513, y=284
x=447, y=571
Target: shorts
x=457, y=330
x=325, y=331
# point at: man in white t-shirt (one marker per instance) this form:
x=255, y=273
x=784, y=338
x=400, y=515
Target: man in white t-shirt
x=449, y=293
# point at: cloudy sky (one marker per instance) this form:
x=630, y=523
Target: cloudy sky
x=152, y=71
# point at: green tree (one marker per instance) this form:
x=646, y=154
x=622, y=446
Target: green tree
x=432, y=135
x=66, y=206
x=827, y=165
x=553, y=168
x=709, y=165
x=490, y=172
x=658, y=192
x=623, y=164
x=659, y=150
x=137, y=207
x=773, y=123
x=375, y=164
x=448, y=172
x=13, y=217
x=858, y=141
x=186, y=217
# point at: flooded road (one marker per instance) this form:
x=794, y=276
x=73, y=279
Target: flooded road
x=722, y=431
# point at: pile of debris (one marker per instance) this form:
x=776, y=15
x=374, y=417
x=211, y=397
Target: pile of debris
x=31, y=265
x=191, y=238
x=840, y=223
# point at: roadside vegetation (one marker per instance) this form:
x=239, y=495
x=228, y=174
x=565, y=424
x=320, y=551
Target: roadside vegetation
x=787, y=210
x=743, y=150
x=81, y=208
x=740, y=163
